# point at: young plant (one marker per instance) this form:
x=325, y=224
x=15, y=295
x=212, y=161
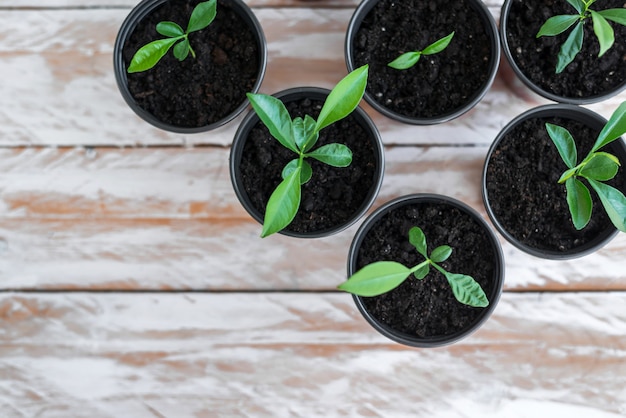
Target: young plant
x=409, y=59
x=148, y=55
x=382, y=276
x=300, y=136
x=595, y=168
x=574, y=42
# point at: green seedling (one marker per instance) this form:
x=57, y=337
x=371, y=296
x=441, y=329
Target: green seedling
x=150, y=54
x=574, y=42
x=382, y=276
x=409, y=59
x=300, y=136
x=595, y=168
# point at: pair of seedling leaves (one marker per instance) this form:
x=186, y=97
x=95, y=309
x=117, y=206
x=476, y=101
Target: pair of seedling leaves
x=382, y=276
x=574, y=42
x=595, y=168
x=150, y=54
x=409, y=59
x=300, y=135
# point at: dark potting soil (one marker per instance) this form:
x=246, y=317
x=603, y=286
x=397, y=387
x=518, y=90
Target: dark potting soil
x=333, y=195
x=587, y=75
x=201, y=91
x=438, y=84
x=428, y=308
x=524, y=194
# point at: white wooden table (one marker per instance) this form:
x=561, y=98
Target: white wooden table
x=133, y=284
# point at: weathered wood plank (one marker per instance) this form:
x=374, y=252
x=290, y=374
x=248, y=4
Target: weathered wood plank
x=183, y=355
x=68, y=63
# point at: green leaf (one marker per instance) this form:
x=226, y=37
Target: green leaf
x=556, y=25
x=614, y=128
x=467, y=290
x=422, y=271
x=336, y=155
x=440, y=254
x=614, y=15
x=570, y=48
x=275, y=116
x=148, y=55
x=600, y=167
x=170, y=29
x=202, y=15
x=579, y=202
x=283, y=204
x=578, y=5
x=306, y=172
x=614, y=203
x=603, y=31
x=564, y=143
x=406, y=60
x=181, y=49
x=376, y=278
x=309, y=126
x=609, y=156
x=418, y=240
x=438, y=46
x=304, y=132
x=344, y=98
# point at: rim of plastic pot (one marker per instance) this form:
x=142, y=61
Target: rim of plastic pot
x=434, y=341
x=506, y=7
x=568, y=111
x=144, y=8
x=492, y=32
x=288, y=95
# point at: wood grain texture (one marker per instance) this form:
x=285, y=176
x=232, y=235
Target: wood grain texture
x=302, y=355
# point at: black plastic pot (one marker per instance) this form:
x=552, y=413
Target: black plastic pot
x=395, y=218
x=144, y=9
x=252, y=121
x=547, y=175
x=545, y=91
x=491, y=32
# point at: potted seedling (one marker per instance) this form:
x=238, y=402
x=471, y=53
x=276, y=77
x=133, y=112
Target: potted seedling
x=186, y=66
x=430, y=62
x=415, y=295
x=569, y=51
x=537, y=191
x=307, y=162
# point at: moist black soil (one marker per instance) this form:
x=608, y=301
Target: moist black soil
x=333, y=195
x=587, y=75
x=201, y=91
x=428, y=308
x=524, y=194
x=438, y=84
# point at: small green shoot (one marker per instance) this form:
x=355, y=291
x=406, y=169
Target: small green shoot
x=300, y=136
x=150, y=54
x=382, y=276
x=409, y=59
x=574, y=42
x=595, y=168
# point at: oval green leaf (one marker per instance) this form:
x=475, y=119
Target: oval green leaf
x=304, y=132
x=376, y=279
x=282, y=205
x=418, y=240
x=603, y=31
x=148, y=55
x=556, y=25
x=579, y=202
x=614, y=128
x=170, y=29
x=406, y=60
x=202, y=15
x=578, y=5
x=306, y=172
x=570, y=48
x=600, y=167
x=614, y=15
x=441, y=254
x=181, y=49
x=467, y=290
x=614, y=203
x=422, y=270
x=336, y=155
x=343, y=98
x=275, y=116
x=439, y=45
x=564, y=143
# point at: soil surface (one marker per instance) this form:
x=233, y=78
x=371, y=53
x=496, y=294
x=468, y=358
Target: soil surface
x=428, y=308
x=201, y=91
x=438, y=84
x=333, y=195
x=587, y=75
x=523, y=190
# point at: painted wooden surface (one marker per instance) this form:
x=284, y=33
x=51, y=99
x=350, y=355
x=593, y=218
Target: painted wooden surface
x=132, y=283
